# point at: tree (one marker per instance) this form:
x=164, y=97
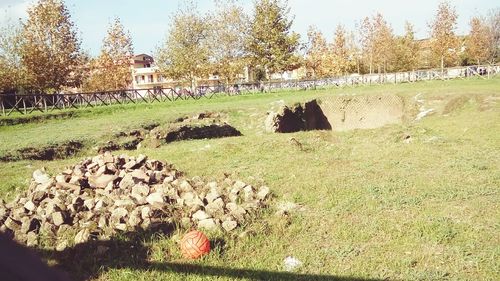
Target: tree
x=342, y=52
x=12, y=72
x=383, y=43
x=185, y=53
x=227, y=37
x=478, y=42
x=111, y=70
x=367, y=34
x=316, y=53
x=407, y=50
x=273, y=45
x=377, y=43
x=493, y=23
x=50, y=49
x=444, y=42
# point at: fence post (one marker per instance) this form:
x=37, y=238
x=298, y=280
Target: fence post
x=1, y=105
x=24, y=105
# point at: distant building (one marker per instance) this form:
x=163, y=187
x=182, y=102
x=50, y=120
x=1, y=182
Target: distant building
x=145, y=74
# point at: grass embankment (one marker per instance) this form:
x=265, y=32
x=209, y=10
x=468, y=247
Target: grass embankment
x=373, y=206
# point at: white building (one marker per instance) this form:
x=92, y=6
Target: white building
x=145, y=74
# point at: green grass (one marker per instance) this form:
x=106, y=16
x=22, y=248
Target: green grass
x=373, y=206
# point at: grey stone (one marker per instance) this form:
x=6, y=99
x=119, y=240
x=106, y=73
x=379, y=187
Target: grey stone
x=127, y=182
x=29, y=224
x=212, y=195
x=40, y=176
x=145, y=212
x=58, y=218
x=38, y=196
x=229, y=225
x=187, y=196
x=140, y=159
x=99, y=205
x=155, y=177
x=89, y=203
x=263, y=193
x=168, y=179
x=99, y=160
x=75, y=179
x=185, y=186
x=251, y=205
x=130, y=164
x=61, y=178
x=61, y=246
x=155, y=199
x=134, y=220
x=215, y=208
x=68, y=186
x=239, y=185
x=30, y=206
x=45, y=186
x=236, y=211
x=119, y=213
x=124, y=203
x=12, y=224
x=200, y=215
x=140, y=175
x=102, y=222
x=101, y=181
x=248, y=193
x=108, y=157
x=208, y=224
x=82, y=236
x=145, y=224
x=140, y=190
x=31, y=239
x=100, y=171
x=121, y=226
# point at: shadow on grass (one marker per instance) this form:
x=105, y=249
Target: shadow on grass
x=127, y=251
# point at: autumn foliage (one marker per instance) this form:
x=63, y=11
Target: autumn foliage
x=43, y=52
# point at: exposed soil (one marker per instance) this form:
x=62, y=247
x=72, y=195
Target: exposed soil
x=298, y=118
x=52, y=152
x=35, y=118
x=200, y=126
x=202, y=132
x=339, y=114
x=363, y=112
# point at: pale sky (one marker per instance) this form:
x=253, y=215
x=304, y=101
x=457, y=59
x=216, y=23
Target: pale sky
x=148, y=20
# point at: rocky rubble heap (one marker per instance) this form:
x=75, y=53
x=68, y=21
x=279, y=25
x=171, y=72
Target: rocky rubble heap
x=105, y=194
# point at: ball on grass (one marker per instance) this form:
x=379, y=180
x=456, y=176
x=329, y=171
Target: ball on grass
x=194, y=245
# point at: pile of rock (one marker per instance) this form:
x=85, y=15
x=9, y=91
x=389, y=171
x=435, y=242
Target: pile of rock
x=106, y=193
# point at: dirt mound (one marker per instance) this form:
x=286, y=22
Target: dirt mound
x=106, y=194
x=339, y=114
x=51, y=152
x=205, y=125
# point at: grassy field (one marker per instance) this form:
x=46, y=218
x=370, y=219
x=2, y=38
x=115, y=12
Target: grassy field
x=371, y=205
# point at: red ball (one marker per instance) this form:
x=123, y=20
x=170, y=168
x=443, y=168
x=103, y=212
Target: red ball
x=194, y=245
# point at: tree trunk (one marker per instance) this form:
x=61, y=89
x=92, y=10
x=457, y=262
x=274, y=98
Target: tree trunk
x=442, y=67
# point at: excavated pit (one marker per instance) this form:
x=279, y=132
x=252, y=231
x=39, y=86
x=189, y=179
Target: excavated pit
x=46, y=153
x=340, y=113
x=202, y=132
